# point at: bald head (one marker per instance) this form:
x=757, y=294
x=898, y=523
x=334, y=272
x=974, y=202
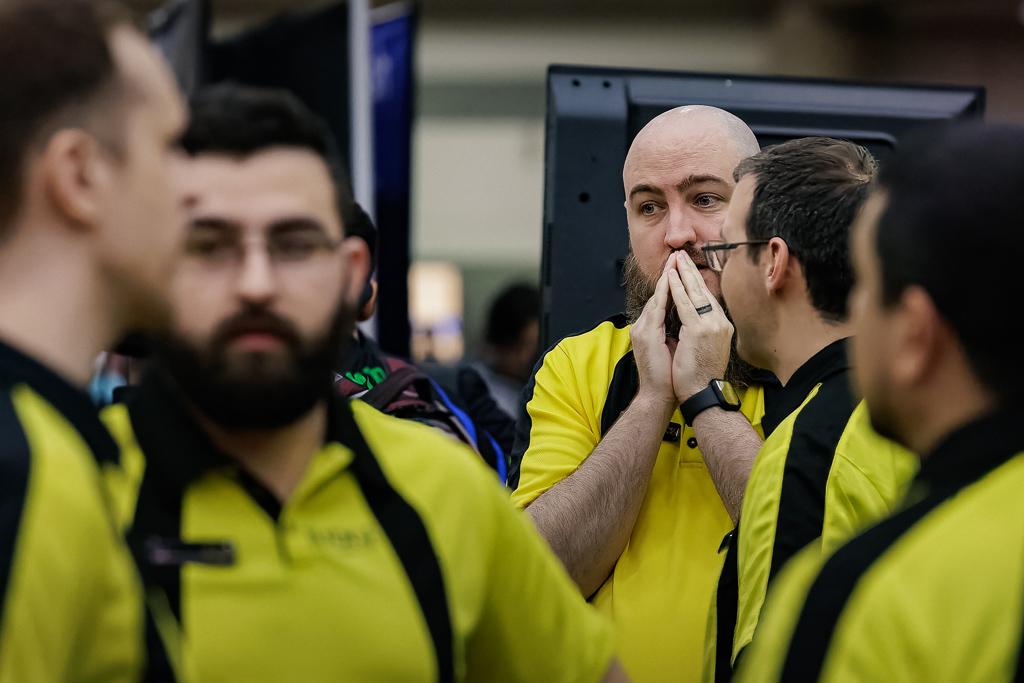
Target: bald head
x=681, y=130
x=678, y=180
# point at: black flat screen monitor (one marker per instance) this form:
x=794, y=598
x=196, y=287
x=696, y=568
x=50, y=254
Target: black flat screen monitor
x=593, y=113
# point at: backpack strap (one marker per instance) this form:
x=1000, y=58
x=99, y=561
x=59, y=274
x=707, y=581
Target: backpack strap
x=408, y=536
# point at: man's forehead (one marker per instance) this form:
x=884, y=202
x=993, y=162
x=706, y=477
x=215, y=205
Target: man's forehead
x=735, y=227
x=668, y=156
x=258, y=186
x=146, y=76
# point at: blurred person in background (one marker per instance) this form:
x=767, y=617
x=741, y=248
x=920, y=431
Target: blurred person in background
x=510, y=344
x=296, y=534
x=822, y=473
x=604, y=461
x=451, y=401
x=935, y=592
x=89, y=231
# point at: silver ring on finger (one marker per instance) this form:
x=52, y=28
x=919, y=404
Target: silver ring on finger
x=706, y=308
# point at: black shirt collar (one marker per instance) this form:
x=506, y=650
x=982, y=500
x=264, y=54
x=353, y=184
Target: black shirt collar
x=828, y=362
x=974, y=450
x=73, y=403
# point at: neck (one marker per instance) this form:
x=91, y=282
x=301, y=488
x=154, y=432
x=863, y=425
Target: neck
x=52, y=303
x=799, y=338
x=937, y=417
x=279, y=458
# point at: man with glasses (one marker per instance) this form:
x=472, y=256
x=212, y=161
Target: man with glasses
x=822, y=473
x=604, y=462
x=293, y=533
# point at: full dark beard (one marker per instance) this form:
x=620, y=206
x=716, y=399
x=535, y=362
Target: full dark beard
x=259, y=394
x=639, y=290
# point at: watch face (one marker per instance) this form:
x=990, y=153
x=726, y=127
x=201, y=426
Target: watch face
x=728, y=393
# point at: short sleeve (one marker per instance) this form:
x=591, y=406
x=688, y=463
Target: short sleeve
x=556, y=431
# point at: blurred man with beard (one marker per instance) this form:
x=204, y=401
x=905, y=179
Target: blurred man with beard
x=605, y=463
x=297, y=535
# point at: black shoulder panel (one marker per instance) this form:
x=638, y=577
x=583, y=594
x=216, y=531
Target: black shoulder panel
x=15, y=461
x=623, y=387
x=407, y=534
x=812, y=448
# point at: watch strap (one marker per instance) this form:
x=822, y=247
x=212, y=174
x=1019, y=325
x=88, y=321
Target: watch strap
x=708, y=397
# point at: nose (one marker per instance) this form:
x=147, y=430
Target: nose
x=257, y=278
x=680, y=230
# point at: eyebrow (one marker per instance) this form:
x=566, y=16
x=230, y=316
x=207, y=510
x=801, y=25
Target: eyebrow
x=637, y=189
x=698, y=180
x=685, y=185
x=277, y=227
x=216, y=224
x=296, y=225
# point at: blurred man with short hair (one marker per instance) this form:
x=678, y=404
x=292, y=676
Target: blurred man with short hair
x=935, y=592
x=89, y=231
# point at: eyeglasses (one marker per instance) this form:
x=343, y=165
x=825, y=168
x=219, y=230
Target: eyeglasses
x=717, y=252
x=221, y=245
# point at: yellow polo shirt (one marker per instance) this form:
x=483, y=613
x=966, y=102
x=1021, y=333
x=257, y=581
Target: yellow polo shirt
x=660, y=590
x=71, y=604
x=934, y=593
x=822, y=475
x=397, y=558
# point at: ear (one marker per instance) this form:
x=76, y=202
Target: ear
x=779, y=266
x=75, y=176
x=367, y=311
x=918, y=337
x=356, y=257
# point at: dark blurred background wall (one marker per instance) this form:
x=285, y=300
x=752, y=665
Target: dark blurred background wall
x=478, y=133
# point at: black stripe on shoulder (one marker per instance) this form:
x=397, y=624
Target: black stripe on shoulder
x=812, y=448
x=623, y=387
x=15, y=462
x=408, y=536
x=524, y=423
x=835, y=583
x=727, y=602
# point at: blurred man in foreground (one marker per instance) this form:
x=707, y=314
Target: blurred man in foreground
x=935, y=592
x=89, y=232
x=822, y=473
x=295, y=534
x=604, y=462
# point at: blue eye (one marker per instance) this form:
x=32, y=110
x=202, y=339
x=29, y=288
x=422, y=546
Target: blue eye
x=706, y=201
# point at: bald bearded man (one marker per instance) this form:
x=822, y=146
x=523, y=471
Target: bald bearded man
x=604, y=462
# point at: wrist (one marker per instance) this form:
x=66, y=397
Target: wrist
x=717, y=394
x=689, y=390
x=652, y=402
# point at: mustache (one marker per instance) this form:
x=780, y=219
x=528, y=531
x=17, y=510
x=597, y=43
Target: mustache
x=696, y=255
x=256, y=320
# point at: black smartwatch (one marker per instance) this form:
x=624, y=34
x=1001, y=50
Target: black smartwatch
x=717, y=393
